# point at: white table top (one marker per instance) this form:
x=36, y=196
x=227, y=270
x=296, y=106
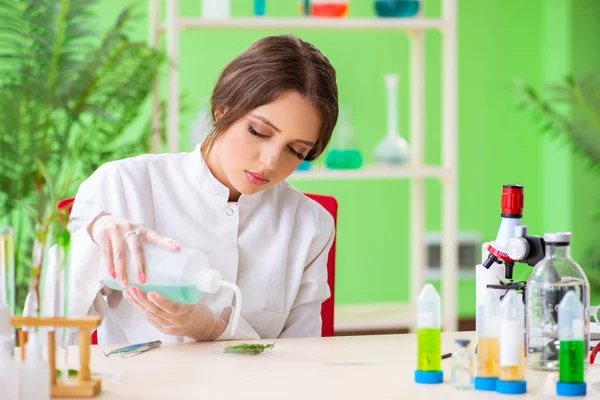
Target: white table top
x=354, y=367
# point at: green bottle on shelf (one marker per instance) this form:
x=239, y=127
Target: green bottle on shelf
x=344, y=153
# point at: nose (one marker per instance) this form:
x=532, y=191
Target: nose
x=270, y=155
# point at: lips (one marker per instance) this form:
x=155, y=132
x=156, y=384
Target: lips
x=256, y=179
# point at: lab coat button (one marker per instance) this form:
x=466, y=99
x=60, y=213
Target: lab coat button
x=230, y=212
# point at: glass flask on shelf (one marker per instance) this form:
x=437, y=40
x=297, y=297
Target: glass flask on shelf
x=216, y=9
x=328, y=8
x=397, y=8
x=551, y=279
x=392, y=149
x=344, y=153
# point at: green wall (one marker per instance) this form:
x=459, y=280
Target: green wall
x=585, y=58
x=497, y=143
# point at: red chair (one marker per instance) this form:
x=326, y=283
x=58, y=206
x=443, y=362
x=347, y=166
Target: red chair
x=327, y=309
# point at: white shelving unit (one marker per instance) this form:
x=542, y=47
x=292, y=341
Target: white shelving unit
x=417, y=172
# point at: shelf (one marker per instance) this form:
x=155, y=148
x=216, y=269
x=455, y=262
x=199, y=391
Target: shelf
x=369, y=317
x=320, y=23
x=371, y=172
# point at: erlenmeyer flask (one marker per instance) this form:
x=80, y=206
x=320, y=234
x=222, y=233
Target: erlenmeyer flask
x=393, y=149
x=344, y=153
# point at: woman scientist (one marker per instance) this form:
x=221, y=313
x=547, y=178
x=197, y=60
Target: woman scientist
x=275, y=105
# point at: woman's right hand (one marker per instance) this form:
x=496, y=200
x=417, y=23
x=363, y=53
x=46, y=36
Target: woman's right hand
x=114, y=235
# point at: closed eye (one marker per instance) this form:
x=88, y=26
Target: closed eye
x=255, y=133
x=260, y=135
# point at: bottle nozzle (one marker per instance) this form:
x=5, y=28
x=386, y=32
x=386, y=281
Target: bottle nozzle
x=238, y=303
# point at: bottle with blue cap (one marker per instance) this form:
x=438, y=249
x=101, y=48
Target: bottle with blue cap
x=429, y=328
x=512, y=346
x=488, y=331
x=571, y=335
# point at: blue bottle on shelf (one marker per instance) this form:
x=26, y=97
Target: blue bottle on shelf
x=260, y=7
x=304, y=166
x=397, y=8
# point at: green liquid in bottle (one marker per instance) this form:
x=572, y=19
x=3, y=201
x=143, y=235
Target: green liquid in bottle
x=571, y=361
x=177, y=294
x=344, y=159
x=429, y=350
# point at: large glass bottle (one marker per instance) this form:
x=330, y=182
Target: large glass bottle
x=551, y=279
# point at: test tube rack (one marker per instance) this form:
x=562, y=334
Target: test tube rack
x=84, y=386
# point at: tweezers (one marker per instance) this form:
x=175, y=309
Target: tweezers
x=134, y=349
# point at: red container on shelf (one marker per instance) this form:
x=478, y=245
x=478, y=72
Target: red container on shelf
x=328, y=8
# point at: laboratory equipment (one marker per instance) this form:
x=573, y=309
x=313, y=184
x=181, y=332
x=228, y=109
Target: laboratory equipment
x=344, y=153
x=7, y=270
x=329, y=8
x=34, y=371
x=83, y=385
x=182, y=276
x=260, y=7
x=552, y=278
x=9, y=370
x=513, y=244
x=216, y=9
x=134, y=349
x=571, y=334
x=305, y=7
x=512, y=357
x=393, y=149
x=488, y=346
x=304, y=166
x=429, y=325
x=396, y=8
x=462, y=365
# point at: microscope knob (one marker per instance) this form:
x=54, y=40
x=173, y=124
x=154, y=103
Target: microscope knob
x=517, y=248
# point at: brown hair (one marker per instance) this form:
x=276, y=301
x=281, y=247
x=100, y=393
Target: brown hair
x=268, y=68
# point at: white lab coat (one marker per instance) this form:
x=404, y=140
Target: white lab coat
x=273, y=245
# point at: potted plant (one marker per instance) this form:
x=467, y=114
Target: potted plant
x=68, y=98
x=571, y=110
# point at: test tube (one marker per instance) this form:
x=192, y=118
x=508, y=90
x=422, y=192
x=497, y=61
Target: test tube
x=7, y=268
x=429, y=328
x=488, y=330
x=571, y=334
x=512, y=346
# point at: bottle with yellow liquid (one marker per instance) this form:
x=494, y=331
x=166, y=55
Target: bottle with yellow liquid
x=571, y=334
x=429, y=328
x=488, y=345
x=512, y=346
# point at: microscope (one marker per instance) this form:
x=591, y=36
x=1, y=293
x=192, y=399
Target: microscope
x=513, y=244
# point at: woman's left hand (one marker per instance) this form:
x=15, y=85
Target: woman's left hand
x=194, y=321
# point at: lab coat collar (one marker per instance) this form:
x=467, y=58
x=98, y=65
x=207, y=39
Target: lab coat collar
x=215, y=189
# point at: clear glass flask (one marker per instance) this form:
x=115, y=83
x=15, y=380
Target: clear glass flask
x=344, y=153
x=551, y=279
x=392, y=149
x=462, y=365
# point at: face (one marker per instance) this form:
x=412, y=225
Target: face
x=266, y=146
